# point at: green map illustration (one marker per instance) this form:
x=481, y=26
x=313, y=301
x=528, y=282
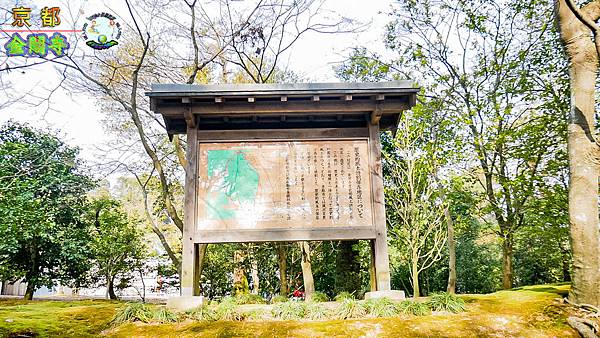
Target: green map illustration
x=237, y=183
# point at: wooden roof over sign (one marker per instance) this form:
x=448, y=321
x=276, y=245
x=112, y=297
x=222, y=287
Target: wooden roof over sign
x=275, y=106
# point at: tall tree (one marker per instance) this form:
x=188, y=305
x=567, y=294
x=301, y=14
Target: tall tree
x=579, y=34
x=45, y=238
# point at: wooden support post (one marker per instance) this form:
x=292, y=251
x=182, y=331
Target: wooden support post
x=372, y=274
x=189, y=260
x=376, y=116
x=382, y=264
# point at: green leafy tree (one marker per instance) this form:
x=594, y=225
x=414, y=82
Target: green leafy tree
x=494, y=71
x=42, y=205
x=415, y=211
x=117, y=247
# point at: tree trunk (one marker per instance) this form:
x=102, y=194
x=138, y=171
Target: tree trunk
x=176, y=261
x=307, y=275
x=200, y=256
x=451, y=253
x=240, y=282
x=566, y=265
x=347, y=268
x=29, y=291
x=282, y=260
x=254, y=274
x=33, y=270
x=415, y=277
x=110, y=287
x=583, y=151
x=507, y=257
x=143, y=293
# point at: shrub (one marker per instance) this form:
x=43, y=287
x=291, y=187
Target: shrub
x=163, y=315
x=289, y=310
x=316, y=311
x=249, y=298
x=279, y=299
x=319, y=297
x=410, y=307
x=350, y=308
x=446, y=302
x=382, y=307
x=343, y=295
x=134, y=312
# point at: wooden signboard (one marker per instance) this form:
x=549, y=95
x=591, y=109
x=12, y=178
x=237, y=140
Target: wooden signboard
x=283, y=185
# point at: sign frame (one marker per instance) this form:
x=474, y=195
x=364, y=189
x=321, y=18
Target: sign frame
x=287, y=234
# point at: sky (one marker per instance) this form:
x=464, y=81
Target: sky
x=75, y=116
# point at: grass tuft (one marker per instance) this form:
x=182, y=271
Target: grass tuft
x=350, y=308
x=343, y=295
x=279, y=299
x=257, y=314
x=133, y=312
x=289, y=310
x=382, y=307
x=446, y=302
x=202, y=313
x=227, y=310
x=249, y=298
x=163, y=315
x=409, y=307
x=319, y=297
x=316, y=311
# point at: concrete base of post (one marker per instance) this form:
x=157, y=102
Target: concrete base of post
x=184, y=303
x=391, y=294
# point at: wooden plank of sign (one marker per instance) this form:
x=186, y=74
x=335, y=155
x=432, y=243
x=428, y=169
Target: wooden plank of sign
x=277, y=134
x=286, y=235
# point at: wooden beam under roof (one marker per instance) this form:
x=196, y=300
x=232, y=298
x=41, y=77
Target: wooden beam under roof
x=182, y=105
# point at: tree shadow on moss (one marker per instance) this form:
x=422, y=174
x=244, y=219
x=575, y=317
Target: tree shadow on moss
x=547, y=289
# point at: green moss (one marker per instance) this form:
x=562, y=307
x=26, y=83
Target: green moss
x=524, y=312
x=55, y=318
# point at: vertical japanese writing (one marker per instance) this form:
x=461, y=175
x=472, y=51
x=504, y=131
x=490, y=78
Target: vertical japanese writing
x=336, y=180
x=359, y=195
x=288, y=199
x=329, y=183
x=322, y=176
x=316, y=185
x=350, y=190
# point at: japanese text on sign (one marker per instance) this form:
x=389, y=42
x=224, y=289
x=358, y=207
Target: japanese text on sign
x=301, y=184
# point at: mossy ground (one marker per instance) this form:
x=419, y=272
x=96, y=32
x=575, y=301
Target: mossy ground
x=524, y=312
x=85, y=318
